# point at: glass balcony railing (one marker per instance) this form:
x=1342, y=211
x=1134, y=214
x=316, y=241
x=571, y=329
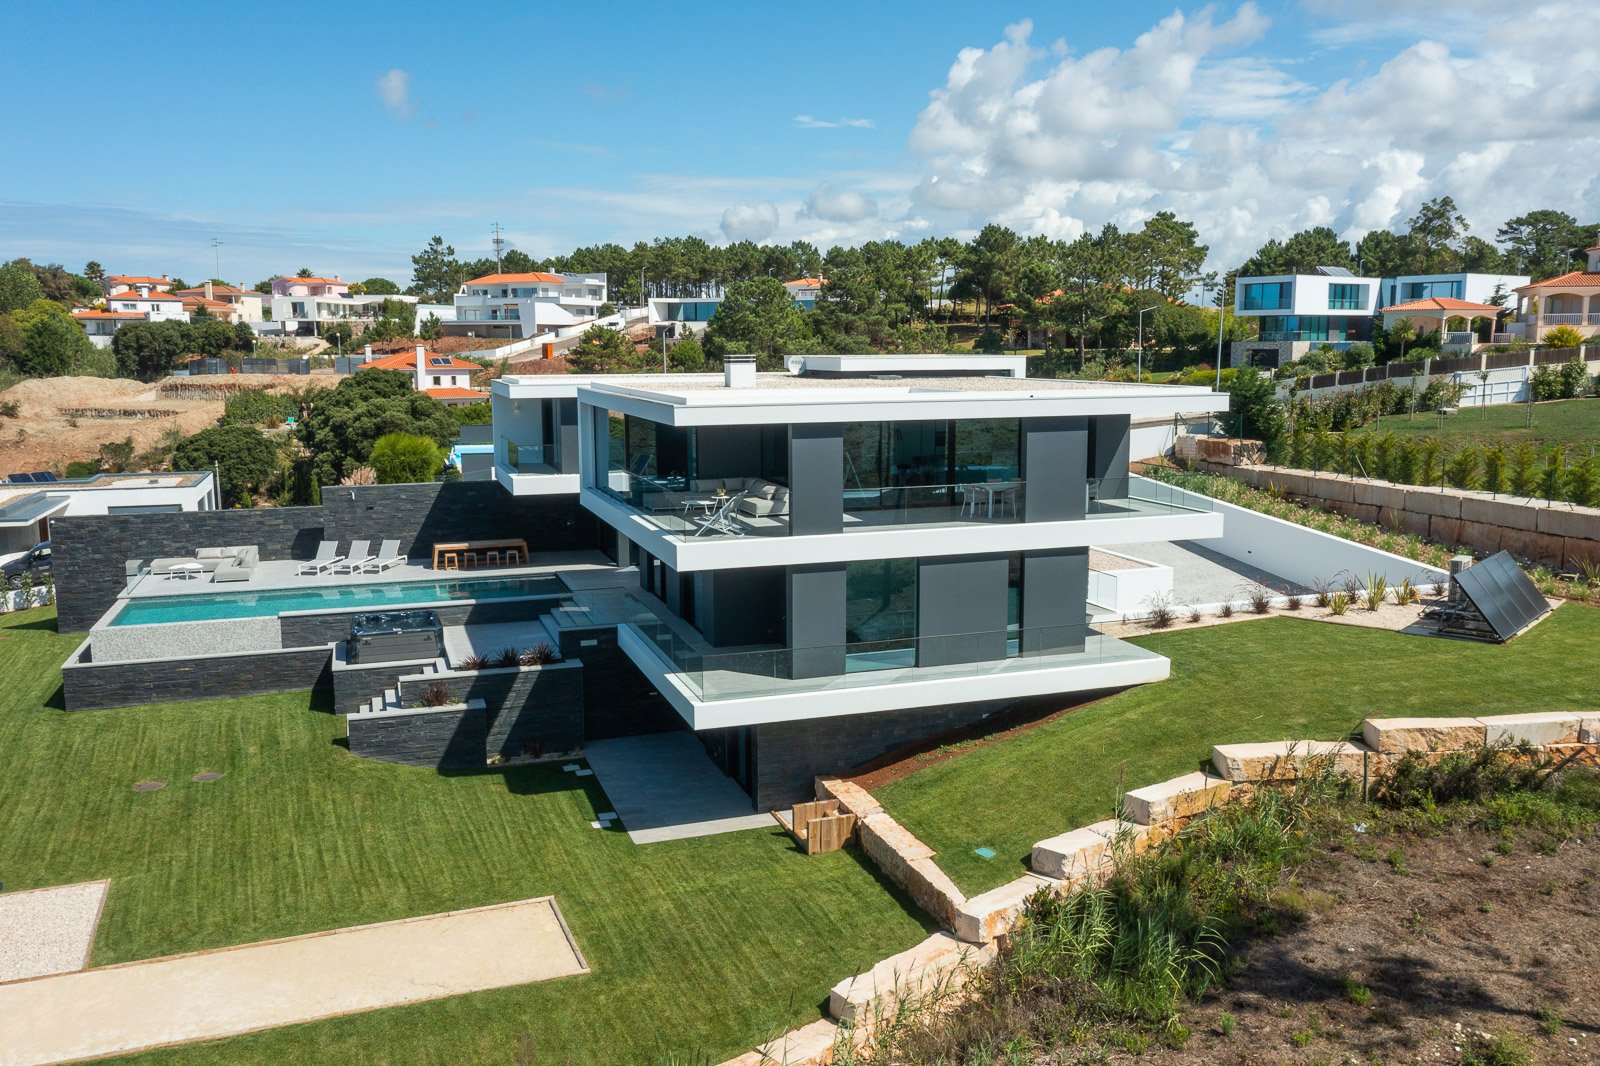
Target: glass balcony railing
x=691, y=510
x=726, y=675
x=524, y=458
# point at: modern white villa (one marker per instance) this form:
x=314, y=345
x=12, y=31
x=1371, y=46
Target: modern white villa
x=676, y=315
x=520, y=306
x=1299, y=312
x=29, y=502
x=301, y=305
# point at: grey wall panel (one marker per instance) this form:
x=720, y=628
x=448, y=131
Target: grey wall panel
x=816, y=478
x=1055, y=456
x=91, y=685
x=1109, y=454
x=1055, y=590
x=734, y=607
x=727, y=451
x=816, y=611
x=961, y=609
x=568, y=435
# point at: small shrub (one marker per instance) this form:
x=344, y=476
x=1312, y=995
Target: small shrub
x=1302, y=1037
x=1496, y=1051
x=1475, y=775
x=1226, y=1024
x=1260, y=598
x=473, y=662
x=1338, y=602
x=436, y=695
x=1226, y=611
x=538, y=655
x=1159, y=607
x=1377, y=591
x=1550, y=1020
x=1406, y=593
x=1322, y=588
x=1194, y=614
x=1355, y=991
x=508, y=656
x=1294, y=602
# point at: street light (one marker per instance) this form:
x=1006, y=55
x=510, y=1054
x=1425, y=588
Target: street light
x=1138, y=374
x=1222, y=314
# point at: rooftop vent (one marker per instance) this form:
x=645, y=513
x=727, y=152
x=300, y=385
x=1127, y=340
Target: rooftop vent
x=739, y=371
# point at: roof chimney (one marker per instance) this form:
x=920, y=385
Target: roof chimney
x=739, y=371
x=366, y=354
x=165, y=278
x=422, y=365
x=210, y=295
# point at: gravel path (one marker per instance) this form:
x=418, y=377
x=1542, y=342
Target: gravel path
x=49, y=930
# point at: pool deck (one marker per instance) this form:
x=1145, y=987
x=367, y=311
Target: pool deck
x=279, y=574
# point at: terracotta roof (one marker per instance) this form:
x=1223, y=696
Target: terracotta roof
x=107, y=314
x=1444, y=303
x=408, y=361
x=226, y=290
x=805, y=283
x=1576, y=277
x=456, y=394
x=201, y=301
x=501, y=279
x=131, y=294
x=136, y=279
x=312, y=281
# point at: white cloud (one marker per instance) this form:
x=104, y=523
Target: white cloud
x=746, y=221
x=394, y=89
x=838, y=205
x=1198, y=117
x=808, y=122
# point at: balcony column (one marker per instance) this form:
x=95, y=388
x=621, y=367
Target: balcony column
x=815, y=633
x=1055, y=457
x=1055, y=595
x=816, y=478
x=1108, y=452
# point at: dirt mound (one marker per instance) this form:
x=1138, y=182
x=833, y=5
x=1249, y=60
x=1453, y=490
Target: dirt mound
x=60, y=420
x=44, y=396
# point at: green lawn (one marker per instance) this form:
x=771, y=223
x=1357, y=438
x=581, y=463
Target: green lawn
x=1273, y=679
x=1572, y=423
x=699, y=948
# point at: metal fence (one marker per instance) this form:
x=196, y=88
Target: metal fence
x=250, y=365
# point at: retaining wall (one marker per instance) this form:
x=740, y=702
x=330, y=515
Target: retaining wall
x=1556, y=534
x=87, y=684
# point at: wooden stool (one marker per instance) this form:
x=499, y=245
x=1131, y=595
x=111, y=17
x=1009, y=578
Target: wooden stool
x=451, y=561
x=514, y=557
x=491, y=557
x=469, y=559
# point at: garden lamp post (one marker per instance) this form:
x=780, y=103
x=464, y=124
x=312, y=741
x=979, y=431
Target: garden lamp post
x=1139, y=372
x=1222, y=315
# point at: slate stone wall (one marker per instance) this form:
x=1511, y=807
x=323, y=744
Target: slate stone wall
x=89, y=685
x=91, y=550
x=618, y=701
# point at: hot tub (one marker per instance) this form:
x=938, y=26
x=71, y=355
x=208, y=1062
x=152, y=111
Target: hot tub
x=395, y=636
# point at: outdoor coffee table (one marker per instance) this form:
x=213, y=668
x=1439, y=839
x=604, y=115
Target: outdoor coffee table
x=185, y=571
x=708, y=505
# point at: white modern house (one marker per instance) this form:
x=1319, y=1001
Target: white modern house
x=833, y=562
x=676, y=315
x=519, y=306
x=144, y=304
x=301, y=305
x=1471, y=288
x=1299, y=312
x=28, y=506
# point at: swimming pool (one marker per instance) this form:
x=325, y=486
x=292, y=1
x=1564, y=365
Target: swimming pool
x=218, y=606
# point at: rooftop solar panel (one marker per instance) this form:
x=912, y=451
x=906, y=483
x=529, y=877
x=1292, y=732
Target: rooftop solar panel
x=43, y=477
x=1502, y=594
x=20, y=479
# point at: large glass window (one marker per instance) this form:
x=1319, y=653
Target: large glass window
x=1347, y=297
x=1014, y=605
x=923, y=462
x=1310, y=328
x=881, y=612
x=1423, y=290
x=1268, y=295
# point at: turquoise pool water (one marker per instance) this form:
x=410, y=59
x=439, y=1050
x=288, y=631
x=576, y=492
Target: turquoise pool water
x=218, y=606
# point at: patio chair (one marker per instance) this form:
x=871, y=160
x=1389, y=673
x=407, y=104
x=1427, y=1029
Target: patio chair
x=360, y=555
x=388, y=556
x=327, y=557
x=724, y=519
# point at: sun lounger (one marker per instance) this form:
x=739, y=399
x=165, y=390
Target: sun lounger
x=360, y=555
x=327, y=557
x=388, y=555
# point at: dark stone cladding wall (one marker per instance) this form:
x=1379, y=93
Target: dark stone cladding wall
x=529, y=711
x=354, y=686
x=129, y=684
x=618, y=700
x=790, y=755
x=301, y=630
x=90, y=550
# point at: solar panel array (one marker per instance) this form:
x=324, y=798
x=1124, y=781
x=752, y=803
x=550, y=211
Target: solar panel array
x=1506, y=598
x=38, y=477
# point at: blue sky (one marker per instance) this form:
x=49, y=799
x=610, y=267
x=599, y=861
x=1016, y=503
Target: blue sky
x=341, y=139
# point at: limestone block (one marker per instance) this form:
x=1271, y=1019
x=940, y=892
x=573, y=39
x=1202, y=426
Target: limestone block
x=1411, y=521
x=1524, y=544
x=1446, y=530
x=1364, y=512
x=1285, y=760
x=1085, y=852
x=851, y=796
x=1536, y=729
x=1433, y=502
x=993, y=914
x=1334, y=491
x=1491, y=511
x=922, y=975
x=1582, y=522
x=1181, y=797
x=809, y=1045
x=1589, y=729
x=1396, y=735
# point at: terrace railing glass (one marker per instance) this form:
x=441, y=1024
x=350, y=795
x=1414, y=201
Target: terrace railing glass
x=526, y=458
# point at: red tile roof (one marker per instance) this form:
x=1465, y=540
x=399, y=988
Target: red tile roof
x=201, y=301
x=502, y=279
x=132, y=294
x=1577, y=277
x=408, y=361
x=312, y=281
x=225, y=290
x=805, y=283
x=136, y=279
x=107, y=314
x=1444, y=303
x=456, y=394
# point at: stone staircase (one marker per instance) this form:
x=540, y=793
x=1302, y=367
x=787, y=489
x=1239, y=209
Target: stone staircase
x=389, y=699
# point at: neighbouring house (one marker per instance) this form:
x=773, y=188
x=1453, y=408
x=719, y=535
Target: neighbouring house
x=677, y=315
x=1459, y=324
x=144, y=303
x=1571, y=299
x=238, y=305
x=302, y=305
x=140, y=283
x=444, y=377
x=29, y=501
x=520, y=306
x=1473, y=288
x=1298, y=312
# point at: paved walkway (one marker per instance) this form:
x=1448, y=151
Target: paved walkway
x=1201, y=575
x=665, y=787
x=183, y=998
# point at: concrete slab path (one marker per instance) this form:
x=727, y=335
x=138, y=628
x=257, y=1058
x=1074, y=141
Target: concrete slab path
x=665, y=787
x=210, y=994
x=1202, y=575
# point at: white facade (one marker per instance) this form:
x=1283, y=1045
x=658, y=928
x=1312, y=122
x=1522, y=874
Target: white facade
x=310, y=302
x=142, y=304
x=524, y=305
x=26, y=509
x=1473, y=288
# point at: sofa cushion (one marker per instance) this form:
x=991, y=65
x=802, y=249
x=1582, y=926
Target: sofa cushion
x=211, y=553
x=763, y=489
